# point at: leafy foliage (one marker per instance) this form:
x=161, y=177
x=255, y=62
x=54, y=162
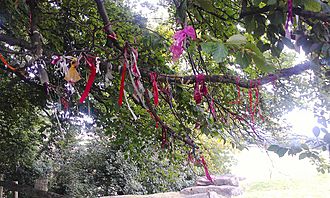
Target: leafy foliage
x=240, y=47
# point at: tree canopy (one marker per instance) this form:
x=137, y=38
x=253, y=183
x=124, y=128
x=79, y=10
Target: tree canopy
x=219, y=68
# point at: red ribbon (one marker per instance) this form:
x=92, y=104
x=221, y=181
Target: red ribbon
x=153, y=78
x=91, y=62
x=207, y=174
x=251, y=102
x=65, y=103
x=122, y=82
x=200, y=88
x=257, y=105
x=153, y=117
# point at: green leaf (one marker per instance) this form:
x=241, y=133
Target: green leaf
x=304, y=146
x=302, y=156
x=273, y=147
x=216, y=49
x=276, y=18
x=205, y=4
x=236, y=39
x=242, y=59
x=324, y=130
x=208, y=47
x=316, y=131
x=271, y=2
x=258, y=58
x=312, y=5
x=281, y=152
x=220, y=53
x=326, y=138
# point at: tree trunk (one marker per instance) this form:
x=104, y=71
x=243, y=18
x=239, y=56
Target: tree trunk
x=1, y=188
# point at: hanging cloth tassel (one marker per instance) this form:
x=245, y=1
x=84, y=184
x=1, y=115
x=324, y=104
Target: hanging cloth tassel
x=153, y=78
x=91, y=61
x=72, y=75
x=206, y=170
x=43, y=76
x=212, y=109
x=122, y=82
x=200, y=88
x=251, y=102
x=129, y=106
x=257, y=109
x=289, y=20
x=6, y=63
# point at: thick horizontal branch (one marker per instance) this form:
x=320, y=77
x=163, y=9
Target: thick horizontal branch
x=229, y=79
x=28, y=190
x=322, y=16
x=314, y=15
x=15, y=41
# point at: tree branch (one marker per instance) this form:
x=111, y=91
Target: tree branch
x=322, y=16
x=15, y=41
x=107, y=24
x=188, y=141
x=230, y=79
x=35, y=34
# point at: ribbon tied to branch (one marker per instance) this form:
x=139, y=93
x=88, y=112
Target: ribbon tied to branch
x=153, y=79
x=179, y=37
x=200, y=88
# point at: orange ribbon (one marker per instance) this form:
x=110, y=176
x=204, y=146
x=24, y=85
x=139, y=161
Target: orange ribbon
x=6, y=63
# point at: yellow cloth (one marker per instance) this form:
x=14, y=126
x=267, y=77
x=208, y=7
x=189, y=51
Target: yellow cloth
x=72, y=75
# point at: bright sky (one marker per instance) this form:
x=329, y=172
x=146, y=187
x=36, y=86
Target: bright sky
x=302, y=122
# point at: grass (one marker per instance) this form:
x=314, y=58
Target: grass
x=268, y=176
x=310, y=187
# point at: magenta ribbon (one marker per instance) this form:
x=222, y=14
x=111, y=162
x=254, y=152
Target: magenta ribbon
x=214, y=115
x=200, y=88
x=207, y=174
x=153, y=78
x=179, y=37
x=55, y=60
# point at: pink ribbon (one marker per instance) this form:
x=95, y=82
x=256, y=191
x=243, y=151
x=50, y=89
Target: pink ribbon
x=200, y=88
x=179, y=37
x=153, y=78
x=55, y=60
x=207, y=174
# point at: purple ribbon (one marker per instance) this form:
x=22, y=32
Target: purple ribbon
x=289, y=19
